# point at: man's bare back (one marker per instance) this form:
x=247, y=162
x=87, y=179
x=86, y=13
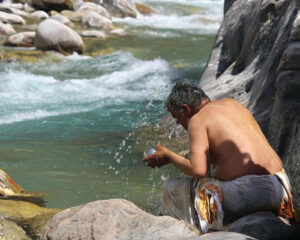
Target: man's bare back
x=237, y=146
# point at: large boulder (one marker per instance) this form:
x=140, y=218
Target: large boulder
x=114, y=219
x=120, y=8
x=23, y=39
x=6, y=29
x=255, y=60
x=57, y=5
x=11, y=18
x=52, y=35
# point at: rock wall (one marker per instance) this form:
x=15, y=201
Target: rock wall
x=255, y=59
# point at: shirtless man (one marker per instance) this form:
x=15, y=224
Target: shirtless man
x=224, y=136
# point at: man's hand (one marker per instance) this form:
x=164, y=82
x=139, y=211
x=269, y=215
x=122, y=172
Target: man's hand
x=159, y=158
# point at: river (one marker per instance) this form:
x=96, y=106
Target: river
x=65, y=126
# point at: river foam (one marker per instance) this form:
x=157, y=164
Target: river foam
x=45, y=92
x=204, y=17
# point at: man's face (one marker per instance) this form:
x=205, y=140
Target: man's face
x=180, y=118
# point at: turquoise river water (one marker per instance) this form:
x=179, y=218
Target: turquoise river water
x=65, y=126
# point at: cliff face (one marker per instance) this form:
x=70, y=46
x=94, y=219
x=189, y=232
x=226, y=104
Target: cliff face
x=256, y=59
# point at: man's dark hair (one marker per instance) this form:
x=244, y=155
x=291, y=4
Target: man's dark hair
x=184, y=93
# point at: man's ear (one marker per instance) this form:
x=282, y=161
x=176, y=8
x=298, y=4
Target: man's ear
x=186, y=109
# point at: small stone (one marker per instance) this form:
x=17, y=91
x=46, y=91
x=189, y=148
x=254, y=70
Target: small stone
x=11, y=18
x=118, y=32
x=6, y=29
x=93, y=33
x=39, y=15
x=23, y=39
x=62, y=19
x=92, y=19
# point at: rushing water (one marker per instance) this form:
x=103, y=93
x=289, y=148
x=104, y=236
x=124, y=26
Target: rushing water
x=65, y=127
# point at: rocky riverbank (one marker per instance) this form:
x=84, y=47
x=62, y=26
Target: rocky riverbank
x=72, y=23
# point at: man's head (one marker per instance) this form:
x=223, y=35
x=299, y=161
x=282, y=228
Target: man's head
x=184, y=100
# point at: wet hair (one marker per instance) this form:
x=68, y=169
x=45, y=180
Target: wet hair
x=184, y=93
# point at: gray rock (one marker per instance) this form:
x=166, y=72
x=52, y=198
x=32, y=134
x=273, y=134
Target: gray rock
x=93, y=7
x=120, y=8
x=11, y=18
x=94, y=20
x=291, y=57
x=19, y=6
x=6, y=29
x=295, y=34
x=93, y=33
x=10, y=230
x=263, y=226
x=52, y=35
x=113, y=219
x=284, y=126
x=39, y=15
x=23, y=39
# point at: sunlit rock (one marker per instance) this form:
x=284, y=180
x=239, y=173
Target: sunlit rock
x=39, y=15
x=114, y=219
x=23, y=39
x=52, y=35
x=29, y=216
x=62, y=19
x=11, y=18
x=73, y=16
x=118, y=32
x=10, y=230
x=93, y=7
x=93, y=33
x=7, y=9
x=6, y=29
x=94, y=20
x=144, y=9
x=120, y=8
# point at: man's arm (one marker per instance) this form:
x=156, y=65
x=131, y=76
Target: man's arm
x=197, y=166
x=199, y=148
